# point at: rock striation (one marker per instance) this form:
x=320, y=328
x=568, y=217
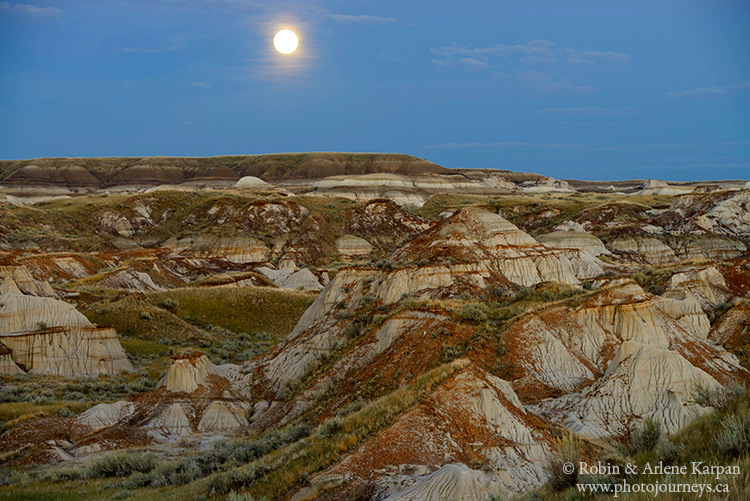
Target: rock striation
x=620, y=356
x=352, y=247
x=239, y=250
x=195, y=396
x=44, y=335
x=582, y=241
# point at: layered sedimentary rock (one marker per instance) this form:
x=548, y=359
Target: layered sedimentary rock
x=648, y=250
x=707, y=285
x=48, y=336
x=479, y=250
x=235, y=249
x=194, y=396
x=620, y=356
x=188, y=373
x=251, y=182
x=582, y=241
x=419, y=456
x=131, y=280
x=68, y=351
x=724, y=213
x=21, y=277
x=7, y=364
x=707, y=247
x=409, y=191
x=351, y=247
x=290, y=279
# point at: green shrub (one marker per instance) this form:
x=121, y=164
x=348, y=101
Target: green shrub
x=351, y=407
x=733, y=437
x=378, y=319
x=120, y=464
x=353, y=330
x=329, y=427
x=474, y=312
x=169, y=303
x=365, y=301
x=647, y=436
x=568, y=451
x=450, y=353
x=720, y=398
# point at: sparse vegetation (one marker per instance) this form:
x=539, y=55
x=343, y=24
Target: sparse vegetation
x=647, y=436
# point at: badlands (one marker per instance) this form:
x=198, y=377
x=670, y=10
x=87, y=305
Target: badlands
x=362, y=326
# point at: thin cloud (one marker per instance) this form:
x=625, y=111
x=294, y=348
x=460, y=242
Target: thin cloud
x=525, y=145
x=392, y=56
x=543, y=81
x=537, y=63
x=534, y=52
x=241, y=6
x=471, y=64
x=203, y=85
x=708, y=91
x=29, y=11
x=593, y=57
x=347, y=18
x=593, y=110
x=175, y=45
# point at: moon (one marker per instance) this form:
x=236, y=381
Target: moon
x=285, y=41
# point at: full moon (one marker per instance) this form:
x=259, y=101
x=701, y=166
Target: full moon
x=285, y=41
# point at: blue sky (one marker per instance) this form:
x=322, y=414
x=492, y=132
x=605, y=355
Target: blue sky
x=571, y=89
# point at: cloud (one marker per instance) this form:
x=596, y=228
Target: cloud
x=29, y=11
x=533, y=53
x=593, y=57
x=175, y=45
x=203, y=85
x=392, y=56
x=543, y=81
x=346, y=18
x=242, y=6
x=587, y=110
x=525, y=145
x=709, y=91
x=471, y=64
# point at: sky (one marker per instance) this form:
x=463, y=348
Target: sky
x=573, y=89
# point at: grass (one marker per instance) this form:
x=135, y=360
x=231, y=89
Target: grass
x=721, y=437
x=133, y=317
x=524, y=210
x=276, y=463
x=243, y=310
x=12, y=413
x=141, y=348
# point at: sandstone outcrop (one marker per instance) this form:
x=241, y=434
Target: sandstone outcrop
x=470, y=414
x=20, y=276
x=707, y=285
x=195, y=396
x=725, y=213
x=352, y=247
x=68, y=351
x=240, y=250
x=48, y=336
x=582, y=241
x=644, y=249
x=452, y=481
x=7, y=364
x=486, y=249
x=131, y=280
x=622, y=355
x=251, y=182
x=290, y=279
